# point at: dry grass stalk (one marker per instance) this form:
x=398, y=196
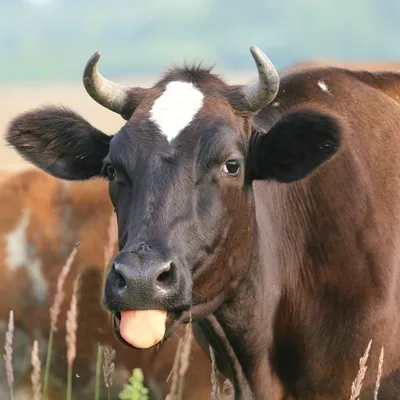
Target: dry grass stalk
x=98, y=372
x=35, y=377
x=8, y=349
x=184, y=359
x=174, y=372
x=55, y=312
x=214, y=376
x=71, y=325
x=108, y=365
x=59, y=296
x=357, y=384
x=379, y=375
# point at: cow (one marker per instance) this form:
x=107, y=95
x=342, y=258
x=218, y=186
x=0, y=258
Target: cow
x=370, y=66
x=264, y=213
x=41, y=219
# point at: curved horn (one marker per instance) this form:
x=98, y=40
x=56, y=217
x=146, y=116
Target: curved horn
x=109, y=94
x=257, y=95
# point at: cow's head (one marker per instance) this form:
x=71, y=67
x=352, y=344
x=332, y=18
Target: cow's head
x=180, y=173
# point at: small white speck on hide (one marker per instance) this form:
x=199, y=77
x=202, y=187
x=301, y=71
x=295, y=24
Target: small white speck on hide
x=323, y=86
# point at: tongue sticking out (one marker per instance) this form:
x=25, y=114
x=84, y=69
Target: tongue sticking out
x=143, y=328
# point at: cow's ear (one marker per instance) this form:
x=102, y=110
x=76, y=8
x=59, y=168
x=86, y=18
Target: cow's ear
x=296, y=145
x=60, y=142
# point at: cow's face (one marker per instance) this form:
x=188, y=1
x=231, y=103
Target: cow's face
x=180, y=173
x=184, y=213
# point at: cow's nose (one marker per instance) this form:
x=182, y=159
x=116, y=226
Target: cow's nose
x=145, y=286
x=158, y=277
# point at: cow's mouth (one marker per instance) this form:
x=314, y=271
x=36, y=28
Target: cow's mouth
x=171, y=321
x=146, y=338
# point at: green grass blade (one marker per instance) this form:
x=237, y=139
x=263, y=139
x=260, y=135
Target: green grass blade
x=98, y=372
x=69, y=383
x=47, y=367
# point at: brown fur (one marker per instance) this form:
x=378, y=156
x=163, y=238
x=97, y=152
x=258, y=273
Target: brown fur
x=300, y=269
x=351, y=65
x=338, y=249
x=328, y=254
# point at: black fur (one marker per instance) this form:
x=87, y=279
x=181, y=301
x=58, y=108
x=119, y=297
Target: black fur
x=59, y=141
x=297, y=144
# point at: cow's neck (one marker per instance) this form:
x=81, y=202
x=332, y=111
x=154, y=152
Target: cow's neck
x=240, y=332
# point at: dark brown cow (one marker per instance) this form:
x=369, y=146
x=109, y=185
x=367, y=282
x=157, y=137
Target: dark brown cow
x=267, y=213
x=352, y=65
x=41, y=218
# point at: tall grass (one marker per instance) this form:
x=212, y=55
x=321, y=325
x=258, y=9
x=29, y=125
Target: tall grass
x=379, y=374
x=98, y=372
x=54, y=313
x=8, y=350
x=174, y=372
x=357, y=384
x=185, y=359
x=135, y=388
x=358, y=381
x=35, y=376
x=108, y=368
x=180, y=365
x=71, y=327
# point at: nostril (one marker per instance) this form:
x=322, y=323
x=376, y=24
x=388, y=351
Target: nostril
x=166, y=275
x=119, y=278
x=120, y=281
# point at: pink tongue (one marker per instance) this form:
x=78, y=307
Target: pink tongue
x=143, y=328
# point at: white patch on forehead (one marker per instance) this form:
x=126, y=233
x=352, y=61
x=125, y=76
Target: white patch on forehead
x=21, y=254
x=276, y=104
x=176, y=107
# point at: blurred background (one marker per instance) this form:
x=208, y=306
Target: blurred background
x=44, y=46
x=45, y=43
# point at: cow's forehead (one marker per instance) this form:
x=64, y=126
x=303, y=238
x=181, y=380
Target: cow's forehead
x=177, y=115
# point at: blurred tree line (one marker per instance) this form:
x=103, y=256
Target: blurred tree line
x=53, y=40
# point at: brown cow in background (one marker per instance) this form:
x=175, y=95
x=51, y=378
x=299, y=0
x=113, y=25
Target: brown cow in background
x=41, y=219
x=371, y=66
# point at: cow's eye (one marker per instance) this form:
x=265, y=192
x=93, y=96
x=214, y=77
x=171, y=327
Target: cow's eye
x=110, y=172
x=231, y=168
